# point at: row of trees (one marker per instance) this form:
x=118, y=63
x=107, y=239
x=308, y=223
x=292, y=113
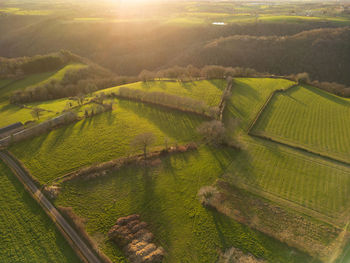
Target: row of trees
x=83, y=81
x=191, y=73
x=332, y=87
x=169, y=100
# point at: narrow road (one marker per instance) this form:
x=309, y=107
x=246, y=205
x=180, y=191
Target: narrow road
x=47, y=205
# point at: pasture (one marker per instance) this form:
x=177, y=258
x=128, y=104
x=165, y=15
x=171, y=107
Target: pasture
x=249, y=95
x=304, y=179
x=10, y=113
x=7, y=86
x=310, y=118
x=59, y=75
x=166, y=197
x=101, y=138
x=27, y=234
x=208, y=91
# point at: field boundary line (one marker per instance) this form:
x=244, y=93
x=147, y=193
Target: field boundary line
x=289, y=204
x=264, y=106
x=331, y=164
x=300, y=148
x=77, y=244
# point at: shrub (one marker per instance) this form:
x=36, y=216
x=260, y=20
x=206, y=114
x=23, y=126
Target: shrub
x=206, y=195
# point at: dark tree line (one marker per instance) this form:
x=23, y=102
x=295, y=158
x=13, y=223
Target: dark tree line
x=191, y=73
x=74, y=83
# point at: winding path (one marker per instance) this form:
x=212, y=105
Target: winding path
x=79, y=245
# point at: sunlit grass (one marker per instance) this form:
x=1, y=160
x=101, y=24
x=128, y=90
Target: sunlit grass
x=249, y=95
x=208, y=91
x=166, y=198
x=58, y=76
x=27, y=234
x=311, y=118
x=102, y=138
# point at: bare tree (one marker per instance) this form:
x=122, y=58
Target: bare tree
x=302, y=78
x=36, y=112
x=146, y=75
x=143, y=141
x=213, y=132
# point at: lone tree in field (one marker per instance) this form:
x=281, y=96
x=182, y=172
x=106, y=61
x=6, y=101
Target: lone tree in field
x=213, y=132
x=143, y=141
x=36, y=112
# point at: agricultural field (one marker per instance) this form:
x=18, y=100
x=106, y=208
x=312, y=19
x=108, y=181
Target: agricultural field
x=58, y=76
x=8, y=86
x=104, y=137
x=27, y=234
x=310, y=118
x=166, y=197
x=304, y=179
x=303, y=19
x=10, y=113
x=208, y=91
x=249, y=95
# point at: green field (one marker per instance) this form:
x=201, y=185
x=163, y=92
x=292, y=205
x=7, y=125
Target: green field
x=10, y=113
x=7, y=86
x=166, y=198
x=102, y=138
x=308, y=117
x=302, y=178
x=58, y=76
x=303, y=19
x=208, y=91
x=27, y=234
x=249, y=95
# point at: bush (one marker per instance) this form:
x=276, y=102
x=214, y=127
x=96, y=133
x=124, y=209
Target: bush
x=206, y=195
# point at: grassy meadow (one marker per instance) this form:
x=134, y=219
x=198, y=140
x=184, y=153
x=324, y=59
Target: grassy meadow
x=102, y=138
x=208, y=91
x=166, y=197
x=7, y=86
x=249, y=95
x=10, y=113
x=58, y=76
x=27, y=233
x=308, y=117
x=304, y=179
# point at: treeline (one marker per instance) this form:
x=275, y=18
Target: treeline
x=191, y=72
x=62, y=89
x=323, y=53
x=168, y=100
x=331, y=87
x=18, y=67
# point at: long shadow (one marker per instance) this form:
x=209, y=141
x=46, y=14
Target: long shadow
x=175, y=124
x=218, y=83
x=187, y=85
x=328, y=96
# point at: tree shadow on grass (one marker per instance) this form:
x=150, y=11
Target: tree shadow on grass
x=220, y=84
x=175, y=124
x=187, y=85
